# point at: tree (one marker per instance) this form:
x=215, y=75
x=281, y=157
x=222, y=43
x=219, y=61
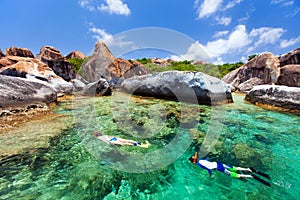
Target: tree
x=250, y=57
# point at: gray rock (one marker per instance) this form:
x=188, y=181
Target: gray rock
x=98, y=64
x=18, y=92
x=249, y=84
x=103, y=64
x=289, y=76
x=97, y=88
x=57, y=62
x=292, y=57
x=264, y=67
x=78, y=85
x=193, y=87
x=1, y=54
x=275, y=95
x=13, y=72
x=79, y=77
x=21, y=52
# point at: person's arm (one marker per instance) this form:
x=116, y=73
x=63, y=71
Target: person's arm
x=209, y=170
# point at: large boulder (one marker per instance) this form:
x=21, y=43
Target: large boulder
x=193, y=87
x=97, y=66
x=19, y=92
x=76, y=54
x=97, y=88
x=57, y=62
x=21, y=52
x=292, y=57
x=103, y=64
x=289, y=76
x=264, y=68
x=137, y=69
x=35, y=70
x=275, y=95
x=5, y=61
x=1, y=54
x=78, y=84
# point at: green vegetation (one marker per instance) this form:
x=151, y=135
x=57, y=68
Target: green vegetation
x=228, y=67
x=144, y=60
x=218, y=71
x=77, y=64
x=250, y=57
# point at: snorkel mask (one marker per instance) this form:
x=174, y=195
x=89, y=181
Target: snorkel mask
x=195, y=157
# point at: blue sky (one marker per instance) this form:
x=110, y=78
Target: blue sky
x=223, y=30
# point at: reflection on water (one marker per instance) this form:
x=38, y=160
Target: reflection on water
x=73, y=165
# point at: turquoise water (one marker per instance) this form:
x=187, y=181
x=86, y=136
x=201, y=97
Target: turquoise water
x=77, y=166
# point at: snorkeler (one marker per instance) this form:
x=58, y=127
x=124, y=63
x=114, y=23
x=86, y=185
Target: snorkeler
x=229, y=170
x=120, y=141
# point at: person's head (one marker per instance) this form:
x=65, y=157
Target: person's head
x=97, y=134
x=193, y=159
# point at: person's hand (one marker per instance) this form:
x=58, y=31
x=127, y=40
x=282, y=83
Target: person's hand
x=249, y=170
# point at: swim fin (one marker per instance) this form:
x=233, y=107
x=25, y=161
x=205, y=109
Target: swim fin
x=260, y=173
x=261, y=180
x=145, y=144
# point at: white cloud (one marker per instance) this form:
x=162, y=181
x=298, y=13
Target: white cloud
x=239, y=40
x=266, y=35
x=208, y=7
x=109, y=39
x=296, y=11
x=195, y=52
x=100, y=34
x=219, y=61
x=115, y=7
x=231, y=4
x=288, y=43
x=223, y=20
x=283, y=2
x=87, y=4
x=220, y=34
x=236, y=41
x=244, y=59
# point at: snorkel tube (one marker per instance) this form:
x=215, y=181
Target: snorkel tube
x=195, y=157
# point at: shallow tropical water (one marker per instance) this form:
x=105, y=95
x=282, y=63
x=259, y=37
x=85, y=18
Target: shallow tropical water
x=77, y=166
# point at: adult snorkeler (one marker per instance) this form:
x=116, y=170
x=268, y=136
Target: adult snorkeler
x=120, y=141
x=227, y=169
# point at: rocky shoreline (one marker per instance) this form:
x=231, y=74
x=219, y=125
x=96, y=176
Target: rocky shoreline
x=276, y=97
x=28, y=82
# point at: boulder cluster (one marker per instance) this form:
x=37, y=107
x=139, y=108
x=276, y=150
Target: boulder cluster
x=27, y=80
x=266, y=69
x=269, y=70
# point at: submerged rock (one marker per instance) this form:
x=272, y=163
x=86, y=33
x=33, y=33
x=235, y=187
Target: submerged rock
x=193, y=87
x=18, y=92
x=275, y=95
